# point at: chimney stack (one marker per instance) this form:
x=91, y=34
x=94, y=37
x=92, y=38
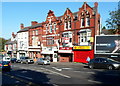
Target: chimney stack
x=22, y=26
x=96, y=4
x=34, y=22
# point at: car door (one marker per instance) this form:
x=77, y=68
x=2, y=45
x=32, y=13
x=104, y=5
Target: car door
x=96, y=63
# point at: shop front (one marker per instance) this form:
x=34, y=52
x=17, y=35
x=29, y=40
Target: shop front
x=65, y=54
x=83, y=54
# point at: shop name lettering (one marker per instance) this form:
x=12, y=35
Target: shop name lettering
x=103, y=44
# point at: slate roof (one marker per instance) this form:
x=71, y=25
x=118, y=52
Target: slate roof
x=23, y=30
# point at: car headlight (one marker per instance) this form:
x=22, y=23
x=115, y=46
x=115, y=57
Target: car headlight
x=115, y=65
x=28, y=60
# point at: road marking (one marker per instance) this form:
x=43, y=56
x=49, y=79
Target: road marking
x=67, y=68
x=57, y=73
x=23, y=77
x=95, y=81
x=57, y=69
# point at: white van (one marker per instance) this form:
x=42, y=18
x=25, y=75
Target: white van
x=6, y=58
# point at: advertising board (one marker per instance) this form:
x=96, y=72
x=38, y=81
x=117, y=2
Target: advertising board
x=107, y=44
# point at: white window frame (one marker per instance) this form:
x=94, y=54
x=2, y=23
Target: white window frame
x=88, y=20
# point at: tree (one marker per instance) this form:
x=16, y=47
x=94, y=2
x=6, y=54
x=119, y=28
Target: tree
x=114, y=21
x=2, y=43
x=104, y=28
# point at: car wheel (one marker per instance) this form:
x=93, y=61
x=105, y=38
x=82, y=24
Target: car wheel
x=110, y=67
x=91, y=66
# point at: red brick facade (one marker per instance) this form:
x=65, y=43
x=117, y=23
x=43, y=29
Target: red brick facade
x=58, y=35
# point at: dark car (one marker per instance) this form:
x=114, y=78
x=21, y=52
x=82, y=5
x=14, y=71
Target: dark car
x=13, y=60
x=104, y=63
x=5, y=66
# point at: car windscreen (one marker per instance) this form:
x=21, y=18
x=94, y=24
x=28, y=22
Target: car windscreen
x=111, y=60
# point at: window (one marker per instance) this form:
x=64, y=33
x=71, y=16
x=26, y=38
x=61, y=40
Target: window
x=33, y=32
x=87, y=21
x=84, y=37
x=46, y=29
x=50, y=40
x=36, y=32
x=50, y=28
x=82, y=22
x=67, y=24
x=54, y=27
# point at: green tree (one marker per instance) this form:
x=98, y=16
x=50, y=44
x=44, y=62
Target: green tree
x=2, y=43
x=104, y=28
x=113, y=21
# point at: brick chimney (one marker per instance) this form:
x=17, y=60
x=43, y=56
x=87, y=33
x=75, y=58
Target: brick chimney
x=13, y=35
x=34, y=22
x=96, y=4
x=21, y=26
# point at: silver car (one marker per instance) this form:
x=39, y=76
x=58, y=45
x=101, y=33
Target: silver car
x=42, y=61
x=26, y=60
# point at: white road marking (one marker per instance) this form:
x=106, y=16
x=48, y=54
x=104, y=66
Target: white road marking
x=57, y=73
x=67, y=68
x=95, y=81
x=57, y=69
x=23, y=77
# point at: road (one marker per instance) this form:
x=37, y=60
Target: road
x=58, y=74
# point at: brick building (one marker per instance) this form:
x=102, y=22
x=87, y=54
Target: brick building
x=67, y=38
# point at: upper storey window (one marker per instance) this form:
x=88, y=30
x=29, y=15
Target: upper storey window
x=67, y=24
x=87, y=19
x=50, y=29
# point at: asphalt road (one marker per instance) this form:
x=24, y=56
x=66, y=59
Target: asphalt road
x=58, y=74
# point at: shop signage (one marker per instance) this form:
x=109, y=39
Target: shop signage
x=65, y=48
x=82, y=48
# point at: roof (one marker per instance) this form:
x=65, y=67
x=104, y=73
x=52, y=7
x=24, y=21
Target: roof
x=23, y=30
x=10, y=42
x=35, y=26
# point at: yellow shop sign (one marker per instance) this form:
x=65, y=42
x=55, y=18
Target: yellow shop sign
x=81, y=47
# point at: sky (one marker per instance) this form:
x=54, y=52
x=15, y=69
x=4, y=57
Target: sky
x=15, y=13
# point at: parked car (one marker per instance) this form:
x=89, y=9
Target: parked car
x=26, y=60
x=6, y=58
x=13, y=60
x=5, y=66
x=18, y=60
x=105, y=63
x=42, y=61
